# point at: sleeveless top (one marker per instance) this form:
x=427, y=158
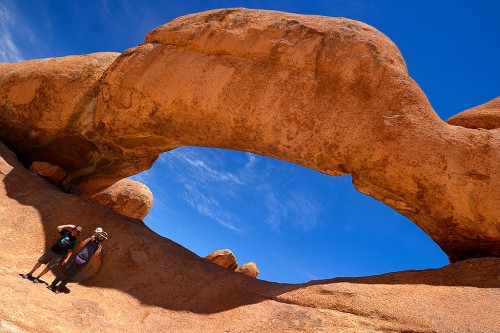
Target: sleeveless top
x=88, y=251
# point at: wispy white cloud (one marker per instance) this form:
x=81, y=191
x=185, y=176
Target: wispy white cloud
x=202, y=168
x=210, y=207
x=16, y=33
x=287, y=204
x=214, y=186
x=205, y=183
x=9, y=51
x=305, y=210
x=293, y=265
x=293, y=208
x=306, y=273
x=275, y=211
x=250, y=162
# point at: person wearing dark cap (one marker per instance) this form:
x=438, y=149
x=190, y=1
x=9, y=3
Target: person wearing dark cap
x=87, y=249
x=62, y=248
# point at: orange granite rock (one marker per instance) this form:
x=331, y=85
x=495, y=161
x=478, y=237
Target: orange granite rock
x=147, y=283
x=486, y=116
x=224, y=258
x=52, y=173
x=46, y=108
x=249, y=269
x=331, y=94
x=127, y=197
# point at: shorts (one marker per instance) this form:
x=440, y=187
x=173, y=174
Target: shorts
x=50, y=258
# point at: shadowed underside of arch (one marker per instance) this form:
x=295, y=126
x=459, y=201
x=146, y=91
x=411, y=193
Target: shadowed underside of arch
x=330, y=94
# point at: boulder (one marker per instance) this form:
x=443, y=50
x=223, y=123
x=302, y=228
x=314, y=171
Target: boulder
x=249, y=269
x=127, y=197
x=52, y=173
x=224, y=258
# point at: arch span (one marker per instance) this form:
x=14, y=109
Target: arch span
x=327, y=93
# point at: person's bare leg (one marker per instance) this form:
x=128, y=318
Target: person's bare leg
x=32, y=270
x=35, y=268
x=45, y=270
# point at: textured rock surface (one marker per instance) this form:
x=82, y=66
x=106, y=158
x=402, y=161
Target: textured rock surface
x=147, y=283
x=331, y=94
x=224, y=258
x=52, y=173
x=486, y=116
x=46, y=107
x=127, y=197
x=249, y=269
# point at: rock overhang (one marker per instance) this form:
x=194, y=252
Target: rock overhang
x=330, y=94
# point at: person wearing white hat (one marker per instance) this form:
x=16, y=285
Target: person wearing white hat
x=89, y=247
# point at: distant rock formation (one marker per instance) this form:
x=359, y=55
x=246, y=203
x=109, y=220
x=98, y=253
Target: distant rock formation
x=224, y=258
x=227, y=259
x=249, y=269
x=127, y=197
x=485, y=116
x=330, y=94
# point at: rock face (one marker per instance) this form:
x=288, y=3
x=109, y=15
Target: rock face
x=224, y=258
x=46, y=110
x=52, y=173
x=249, y=269
x=486, y=116
x=147, y=283
x=331, y=94
x=127, y=197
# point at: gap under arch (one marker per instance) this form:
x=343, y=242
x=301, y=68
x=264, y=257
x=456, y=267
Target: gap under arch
x=295, y=223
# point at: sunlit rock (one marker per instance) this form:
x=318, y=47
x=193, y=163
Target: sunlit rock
x=331, y=94
x=46, y=110
x=249, y=269
x=127, y=197
x=147, y=283
x=486, y=116
x=224, y=258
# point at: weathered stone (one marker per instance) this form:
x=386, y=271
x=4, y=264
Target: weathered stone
x=249, y=269
x=46, y=108
x=330, y=94
x=486, y=116
x=127, y=197
x=147, y=283
x=52, y=173
x=224, y=258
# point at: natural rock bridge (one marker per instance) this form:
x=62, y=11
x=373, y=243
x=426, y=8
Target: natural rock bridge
x=330, y=94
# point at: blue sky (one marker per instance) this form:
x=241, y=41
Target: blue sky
x=295, y=223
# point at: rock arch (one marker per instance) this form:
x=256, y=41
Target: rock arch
x=330, y=94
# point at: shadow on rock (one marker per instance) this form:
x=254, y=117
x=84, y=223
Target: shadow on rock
x=156, y=270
